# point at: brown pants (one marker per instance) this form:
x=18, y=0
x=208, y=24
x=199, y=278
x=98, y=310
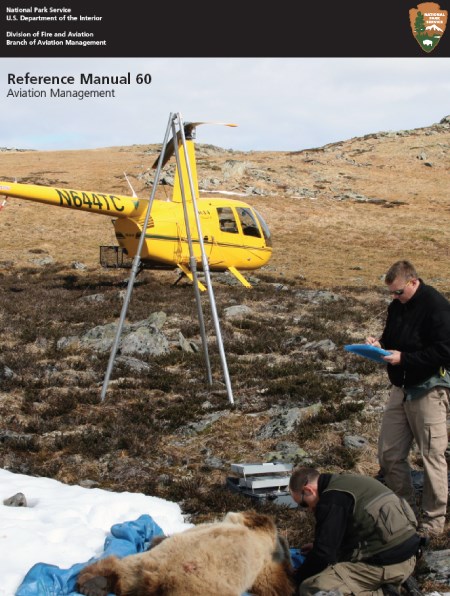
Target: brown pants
x=359, y=579
x=425, y=421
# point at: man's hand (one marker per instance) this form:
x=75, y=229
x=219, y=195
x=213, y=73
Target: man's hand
x=372, y=341
x=305, y=548
x=393, y=358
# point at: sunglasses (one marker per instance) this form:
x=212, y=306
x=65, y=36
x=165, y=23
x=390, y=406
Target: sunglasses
x=302, y=504
x=402, y=291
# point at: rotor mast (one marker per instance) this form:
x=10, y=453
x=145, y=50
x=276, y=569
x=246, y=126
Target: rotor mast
x=186, y=169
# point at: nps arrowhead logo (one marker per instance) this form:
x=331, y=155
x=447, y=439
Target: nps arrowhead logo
x=428, y=24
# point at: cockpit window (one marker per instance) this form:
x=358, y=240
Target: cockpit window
x=264, y=228
x=227, y=221
x=248, y=222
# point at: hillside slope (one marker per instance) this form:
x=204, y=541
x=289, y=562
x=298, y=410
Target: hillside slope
x=339, y=214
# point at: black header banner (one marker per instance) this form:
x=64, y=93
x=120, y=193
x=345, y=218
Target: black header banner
x=76, y=28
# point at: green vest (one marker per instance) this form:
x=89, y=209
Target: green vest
x=440, y=379
x=381, y=520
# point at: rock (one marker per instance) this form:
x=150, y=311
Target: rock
x=17, y=500
x=145, y=340
x=317, y=296
x=324, y=345
x=143, y=337
x=214, y=462
x=438, y=563
x=287, y=451
x=79, y=266
x=88, y=483
x=286, y=422
x=234, y=169
x=6, y=372
x=355, y=442
x=43, y=262
x=344, y=376
x=133, y=364
x=239, y=311
x=99, y=338
x=186, y=345
x=20, y=441
x=197, y=427
x=93, y=298
x=157, y=319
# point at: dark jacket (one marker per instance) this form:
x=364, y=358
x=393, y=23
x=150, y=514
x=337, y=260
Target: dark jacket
x=420, y=330
x=335, y=537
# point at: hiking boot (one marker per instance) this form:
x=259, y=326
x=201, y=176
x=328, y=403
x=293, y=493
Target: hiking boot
x=411, y=587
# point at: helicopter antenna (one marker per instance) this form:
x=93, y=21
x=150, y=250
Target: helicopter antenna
x=129, y=184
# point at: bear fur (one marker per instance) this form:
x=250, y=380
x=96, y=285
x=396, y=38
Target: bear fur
x=242, y=552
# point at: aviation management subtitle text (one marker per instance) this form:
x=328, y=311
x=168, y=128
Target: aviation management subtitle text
x=58, y=81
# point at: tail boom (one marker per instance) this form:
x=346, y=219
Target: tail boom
x=95, y=202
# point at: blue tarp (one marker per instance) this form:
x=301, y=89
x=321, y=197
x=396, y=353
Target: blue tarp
x=125, y=539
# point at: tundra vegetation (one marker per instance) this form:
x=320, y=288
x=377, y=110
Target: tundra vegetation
x=339, y=214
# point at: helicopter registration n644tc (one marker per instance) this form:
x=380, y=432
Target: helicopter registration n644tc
x=235, y=236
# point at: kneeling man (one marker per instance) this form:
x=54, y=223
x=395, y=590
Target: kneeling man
x=365, y=536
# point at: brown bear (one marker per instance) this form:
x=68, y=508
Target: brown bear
x=242, y=552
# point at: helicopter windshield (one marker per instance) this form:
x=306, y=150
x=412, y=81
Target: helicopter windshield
x=265, y=228
x=248, y=222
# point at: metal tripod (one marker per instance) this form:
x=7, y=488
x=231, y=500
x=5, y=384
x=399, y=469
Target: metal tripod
x=174, y=121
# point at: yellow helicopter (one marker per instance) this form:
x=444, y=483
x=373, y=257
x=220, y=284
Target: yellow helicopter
x=235, y=236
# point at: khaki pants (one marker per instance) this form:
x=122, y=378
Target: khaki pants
x=357, y=578
x=425, y=421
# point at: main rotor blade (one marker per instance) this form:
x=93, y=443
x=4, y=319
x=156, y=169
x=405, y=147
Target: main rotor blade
x=189, y=127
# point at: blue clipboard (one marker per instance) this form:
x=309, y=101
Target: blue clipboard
x=368, y=351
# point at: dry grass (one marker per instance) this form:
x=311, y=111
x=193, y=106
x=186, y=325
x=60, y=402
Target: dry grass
x=323, y=239
x=328, y=240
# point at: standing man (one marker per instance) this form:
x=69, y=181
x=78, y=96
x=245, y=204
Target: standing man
x=417, y=333
x=365, y=535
